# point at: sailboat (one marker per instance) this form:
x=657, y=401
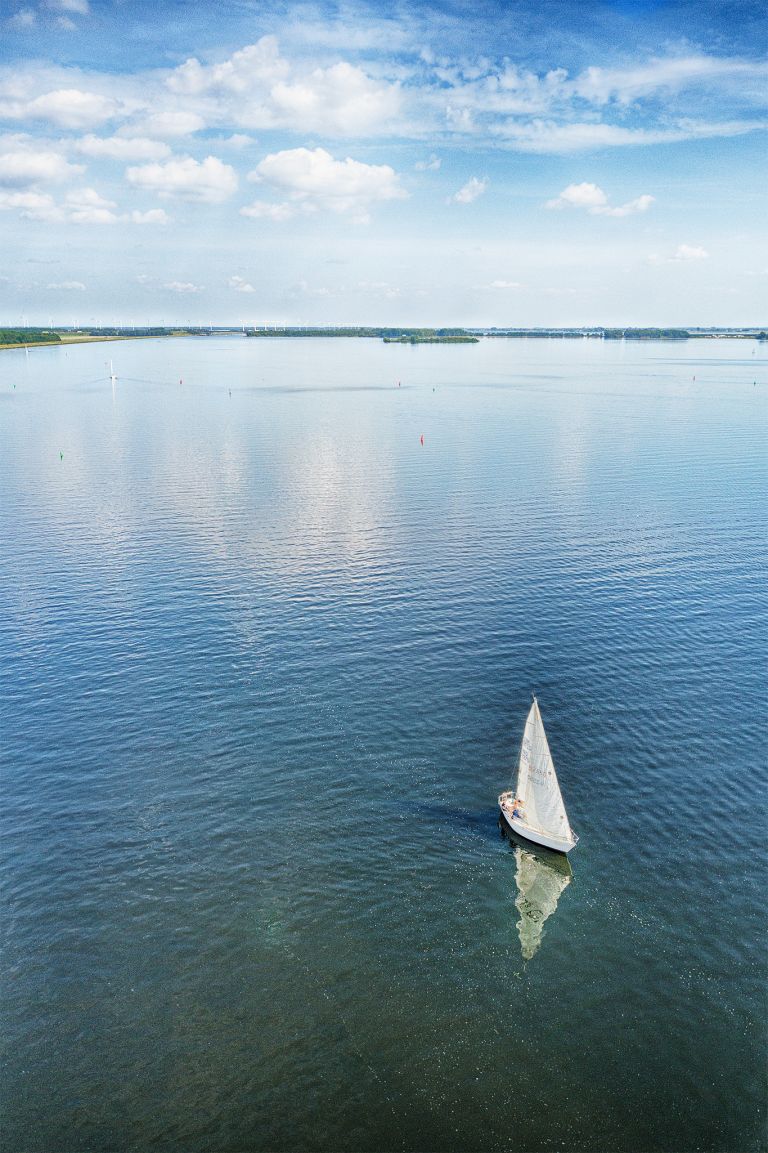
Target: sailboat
x=535, y=809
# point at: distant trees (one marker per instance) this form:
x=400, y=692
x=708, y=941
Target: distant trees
x=28, y=336
x=646, y=333
x=389, y=335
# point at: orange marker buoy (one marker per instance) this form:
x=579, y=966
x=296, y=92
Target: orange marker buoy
x=421, y=438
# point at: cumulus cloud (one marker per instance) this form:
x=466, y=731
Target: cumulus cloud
x=184, y=287
x=31, y=205
x=24, y=168
x=341, y=99
x=592, y=198
x=266, y=210
x=171, y=123
x=64, y=107
x=255, y=65
x=258, y=88
x=87, y=206
x=469, y=191
x=682, y=254
x=240, y=285
x=122, y=148
x=151, y=216
x=79, y=206
x=430, y=165
x=312, y=177
x=584, y=195
x=208, y=182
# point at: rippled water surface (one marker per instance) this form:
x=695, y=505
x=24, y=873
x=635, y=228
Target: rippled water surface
x=266, y=664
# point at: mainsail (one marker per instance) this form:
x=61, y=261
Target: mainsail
x=539, y=886
x=537, y=786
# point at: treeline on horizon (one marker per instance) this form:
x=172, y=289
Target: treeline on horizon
x=28, y=336
x=388, y=334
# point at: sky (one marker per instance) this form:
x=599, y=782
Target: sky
x=523, y=162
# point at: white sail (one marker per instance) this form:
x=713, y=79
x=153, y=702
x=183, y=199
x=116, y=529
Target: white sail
x=537, y=786
x=539, y=886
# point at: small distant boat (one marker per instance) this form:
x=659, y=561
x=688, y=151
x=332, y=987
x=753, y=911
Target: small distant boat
x=535, y=809
x=112, y=375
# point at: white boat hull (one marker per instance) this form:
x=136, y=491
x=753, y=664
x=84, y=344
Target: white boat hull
x=550, y=842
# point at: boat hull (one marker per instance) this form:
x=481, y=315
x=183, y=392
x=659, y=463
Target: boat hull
x=557, y=843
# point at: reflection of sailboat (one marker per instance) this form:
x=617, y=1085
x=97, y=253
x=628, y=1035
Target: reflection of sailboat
x=539, y=885
x=535, y=809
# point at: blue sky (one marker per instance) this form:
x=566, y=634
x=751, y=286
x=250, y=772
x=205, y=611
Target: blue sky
x=450, y=163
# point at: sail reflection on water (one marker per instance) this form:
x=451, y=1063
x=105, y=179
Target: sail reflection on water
x=540, y=882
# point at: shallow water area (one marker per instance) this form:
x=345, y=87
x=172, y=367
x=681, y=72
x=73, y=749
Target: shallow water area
x=267, y=660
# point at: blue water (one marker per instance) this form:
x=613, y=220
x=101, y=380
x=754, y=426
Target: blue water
x=266, y=664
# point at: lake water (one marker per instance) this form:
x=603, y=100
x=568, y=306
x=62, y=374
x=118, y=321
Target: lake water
x=267, y=660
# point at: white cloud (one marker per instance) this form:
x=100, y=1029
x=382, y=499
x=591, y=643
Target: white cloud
x=86, y=206
x=469, y=191
x=626, y=85
x=549, y=136
x=316, y=179
x=206, y=182
x=24, y=168
x=123, y=148
x=264, y=209
x=551, y=112
x=240, y=285
x=79, y=7
x=689, y=252
x=580, y=196
x=25, y=18
x=639, y=204
x=68, y=286
x=65, y=107
x=252, y=66
x=340, y=100
x=171, y=123
x=257, y=88
x=683, y=253
x=505, y=284
x=151, y=216
x=184, y=287
x=31, y=205
x=430, y=165
x=592, y=198
x=238, y=140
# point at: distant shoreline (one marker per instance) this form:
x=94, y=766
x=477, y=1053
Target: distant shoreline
x=57, y=338
x=67, y=340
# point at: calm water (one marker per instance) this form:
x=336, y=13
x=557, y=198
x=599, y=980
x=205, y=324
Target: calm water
x=266, y=663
